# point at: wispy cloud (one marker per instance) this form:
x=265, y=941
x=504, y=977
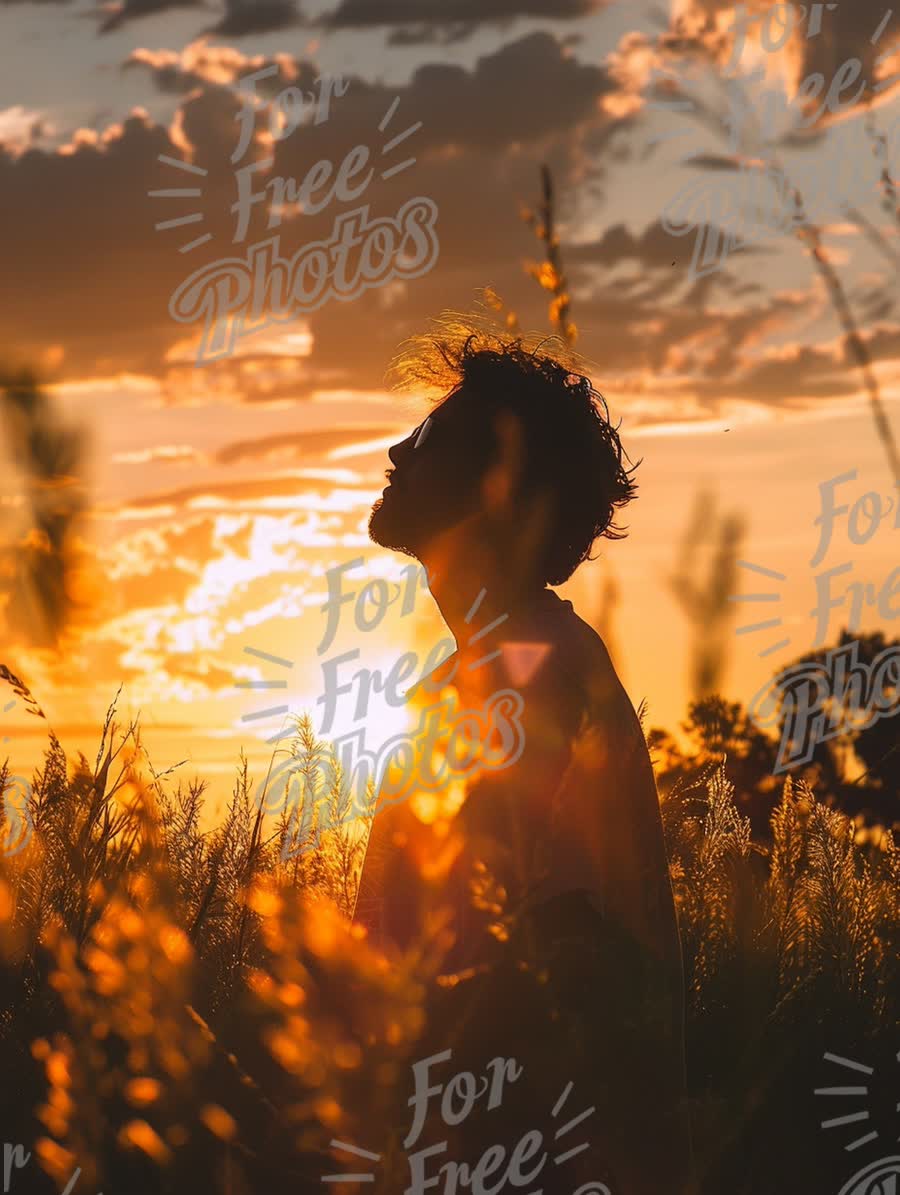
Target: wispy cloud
x=160, y=452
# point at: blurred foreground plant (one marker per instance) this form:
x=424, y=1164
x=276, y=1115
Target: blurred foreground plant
x=42, y=566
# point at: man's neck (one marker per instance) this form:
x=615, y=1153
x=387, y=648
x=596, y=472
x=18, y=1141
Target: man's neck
x=474, y=587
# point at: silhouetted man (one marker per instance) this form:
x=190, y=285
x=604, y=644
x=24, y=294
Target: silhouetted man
x=566, y=954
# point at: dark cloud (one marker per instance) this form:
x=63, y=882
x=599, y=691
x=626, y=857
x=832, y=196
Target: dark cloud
x=808, y=372
x=244, y=492
x=463, y=14
x=313, y=445
x=95, y=276
x=446, y=35
x=240, y=17
x=523, y=92
x=652, y=247
x=243, y=17
x=495, y=103
x=132, y=9
x=78, y=264
x=631, y=331
x=430, y=35
x=662, y=260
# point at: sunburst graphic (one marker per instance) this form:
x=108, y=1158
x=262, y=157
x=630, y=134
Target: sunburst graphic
x=364, y=1177
x=850, y=1091
x=559, y=1159
x=521, y=660
x=274, y=711
x=767, y=624
x=197, y=192
x=73, y=1179
x=17, y=1157
x=391, y=145
x=182, y=193
x=483, y=633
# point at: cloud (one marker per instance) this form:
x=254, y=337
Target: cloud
x=497, y=103
x=184, y=597
x=487, y=123
x=19, y=126
x=485, y=132
x=161, y=452
x=240, y=495
x=653, y=247
x=240, y=17
x=200, y=64
x=704, y=33
x=243, y=17
x=430, y=35
x=493, y=103
x=846, y=33
x=462, y=13
x=653, y=335
x=312, y=444
x=119, y=14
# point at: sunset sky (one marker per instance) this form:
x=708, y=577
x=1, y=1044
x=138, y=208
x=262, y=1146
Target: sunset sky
x=221, y=492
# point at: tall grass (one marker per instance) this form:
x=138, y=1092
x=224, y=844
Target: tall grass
x=184, y=1005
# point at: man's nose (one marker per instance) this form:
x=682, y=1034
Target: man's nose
x=402, y=448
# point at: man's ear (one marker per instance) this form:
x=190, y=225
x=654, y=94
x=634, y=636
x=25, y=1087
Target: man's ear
x=502, y=479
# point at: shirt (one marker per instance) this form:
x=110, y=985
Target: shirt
x=554, y=880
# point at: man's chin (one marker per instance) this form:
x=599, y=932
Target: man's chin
x=384, y=531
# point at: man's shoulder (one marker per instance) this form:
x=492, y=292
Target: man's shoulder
x=578, y=655
x=549, y=655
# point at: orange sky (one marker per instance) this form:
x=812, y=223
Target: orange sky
x=220, y=493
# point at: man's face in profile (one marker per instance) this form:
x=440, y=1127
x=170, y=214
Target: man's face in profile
x=434, y=483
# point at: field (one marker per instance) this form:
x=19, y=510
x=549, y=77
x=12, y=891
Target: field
x=191, y=1010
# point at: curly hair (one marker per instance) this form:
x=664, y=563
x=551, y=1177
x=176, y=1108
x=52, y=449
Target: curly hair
x=572, y=450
